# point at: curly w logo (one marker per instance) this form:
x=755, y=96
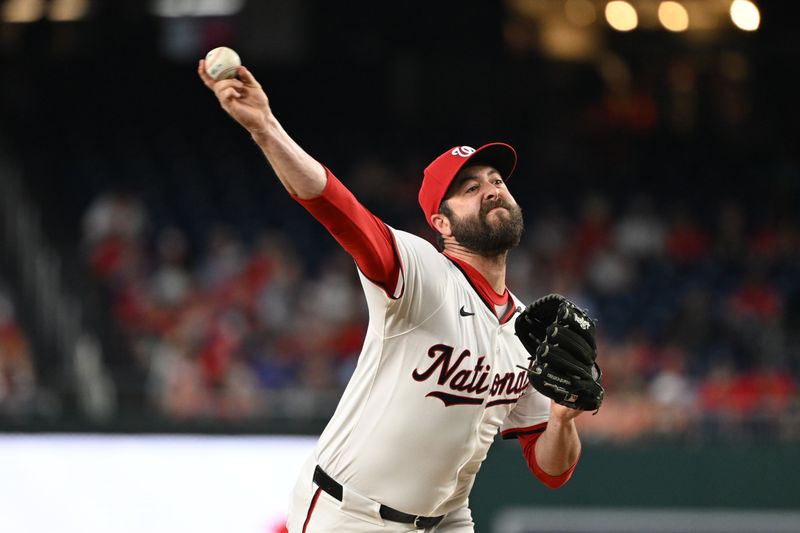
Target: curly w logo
x=463, y=151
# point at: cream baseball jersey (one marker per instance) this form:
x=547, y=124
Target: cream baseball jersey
x=436, y=379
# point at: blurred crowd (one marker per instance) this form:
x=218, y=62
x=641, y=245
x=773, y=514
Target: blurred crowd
x=221, y=332
x=699, y=313
x=17, y=373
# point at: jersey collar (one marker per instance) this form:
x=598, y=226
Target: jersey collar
x=489, y=297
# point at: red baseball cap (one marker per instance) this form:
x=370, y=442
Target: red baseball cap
x=440, y=173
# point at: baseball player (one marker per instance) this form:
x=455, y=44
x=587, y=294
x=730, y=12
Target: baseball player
x=450, y=357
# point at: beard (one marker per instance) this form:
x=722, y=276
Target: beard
x=485, y=238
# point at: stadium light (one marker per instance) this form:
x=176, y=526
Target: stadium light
x=196, y=8
x=745, y=15
x=621, y=15
x=68, y=10
x=21, y=11
x=673, y=16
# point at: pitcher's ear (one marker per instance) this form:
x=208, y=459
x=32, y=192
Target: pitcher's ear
x=441, y=224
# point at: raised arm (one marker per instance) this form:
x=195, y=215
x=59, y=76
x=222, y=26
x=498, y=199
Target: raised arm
x=363, y=235
x=245, y=100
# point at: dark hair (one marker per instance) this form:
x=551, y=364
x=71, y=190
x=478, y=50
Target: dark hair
x=444, y=209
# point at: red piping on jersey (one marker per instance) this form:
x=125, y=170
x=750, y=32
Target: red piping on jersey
x=479, y=282
x=363, y=235
x=385, y=285
x=488, y=295
x=514, y=433
x=311, y=508
x=509, y=313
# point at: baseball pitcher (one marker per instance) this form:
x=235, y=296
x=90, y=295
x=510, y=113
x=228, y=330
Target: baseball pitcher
x=451, y=356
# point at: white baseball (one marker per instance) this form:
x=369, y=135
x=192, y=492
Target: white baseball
x=222, y=63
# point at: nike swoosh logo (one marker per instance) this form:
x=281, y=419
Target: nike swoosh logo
x=462, y=312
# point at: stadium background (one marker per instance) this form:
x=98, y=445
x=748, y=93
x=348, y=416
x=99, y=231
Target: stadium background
x=155, y=279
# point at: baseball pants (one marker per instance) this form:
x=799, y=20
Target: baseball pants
x=315, y=511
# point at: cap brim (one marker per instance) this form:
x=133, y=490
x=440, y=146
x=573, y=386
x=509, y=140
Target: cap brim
x=498, y=155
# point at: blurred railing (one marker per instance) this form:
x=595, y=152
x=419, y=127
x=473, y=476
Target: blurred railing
x=68, y=357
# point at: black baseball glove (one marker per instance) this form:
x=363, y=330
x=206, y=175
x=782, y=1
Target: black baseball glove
x=560, y=338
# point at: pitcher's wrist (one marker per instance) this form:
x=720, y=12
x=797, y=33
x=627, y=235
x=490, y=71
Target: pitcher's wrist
x=263, y=132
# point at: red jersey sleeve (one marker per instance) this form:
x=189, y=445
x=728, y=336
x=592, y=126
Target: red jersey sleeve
x=528, y=443
x=363, y=235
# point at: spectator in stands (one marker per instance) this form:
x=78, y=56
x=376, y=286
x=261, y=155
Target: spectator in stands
x=17, y=376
